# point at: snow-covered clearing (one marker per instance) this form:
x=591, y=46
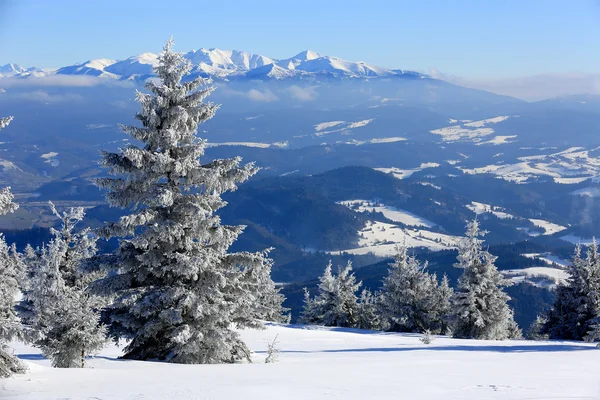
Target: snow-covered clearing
x=391, y=213
x=457, y=133
x=577, y=239
x=386, y=140
x=549, y=228
x=548, y=259
x=325, y=125
x=381, y=239
x=484, y=122
x=341, y=126
x=570, y=166
x=250, y=144
x=472, y=131
x=332, y=363
x=537, y=276
x=499, y=140
x=481, y=208
x=405, y=173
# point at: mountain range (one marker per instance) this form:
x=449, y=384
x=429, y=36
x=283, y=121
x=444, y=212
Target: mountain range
x=219, y=64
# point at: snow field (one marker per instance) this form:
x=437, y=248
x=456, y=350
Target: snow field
x=330, y=363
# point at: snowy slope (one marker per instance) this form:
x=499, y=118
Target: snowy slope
x=321, y=363
x=381, y=239
x=391, y=213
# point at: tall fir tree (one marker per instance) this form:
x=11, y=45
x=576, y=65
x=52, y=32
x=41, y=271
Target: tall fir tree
x=577, y=306
x=178, y=294
x=336, y=302
x=480, y=305
x=62, y=317
x=411, y=298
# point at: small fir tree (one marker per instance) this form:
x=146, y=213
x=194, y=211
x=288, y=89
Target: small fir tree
x=62, y=317
x=336, y=303
x=411, y=299
x=480, y=305
x=10, y=326
x=576, y=309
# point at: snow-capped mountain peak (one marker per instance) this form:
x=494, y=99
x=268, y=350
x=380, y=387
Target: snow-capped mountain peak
x=11, y=69
x=303, y=56
x=219, y=64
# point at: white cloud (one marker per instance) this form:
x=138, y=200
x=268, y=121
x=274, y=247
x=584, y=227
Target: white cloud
x=45, y=97
x=266, y=95
x=303, y=94
x=252, y=94
x=62, y=81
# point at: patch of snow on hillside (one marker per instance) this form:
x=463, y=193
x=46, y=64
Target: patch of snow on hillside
x=405, y=173
x=457, y=133
x=499, y=140
x=381, y=239
x=360, y=124
x=537, y=276
x=577, y=239
x=386, y=140
x=484, y=122
x=549, y=227
x=8, y=166
x=325, y=125
x=548, y=259
x=331, y=363
x=50, y=158
x=430, y=185
x=481, y=208
x=391, y=213
x=245, y=144
x=571, y=181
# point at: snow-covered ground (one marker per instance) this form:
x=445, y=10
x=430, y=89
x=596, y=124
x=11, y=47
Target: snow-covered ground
x=324, y=127
x=405, y=173
x=549, y=228
x=322, y=363
x=548, y=259
x=537, y=276
x=381, y=239
x=577, y=239
x=391, y=213
x=472, y=131
x=570, y=166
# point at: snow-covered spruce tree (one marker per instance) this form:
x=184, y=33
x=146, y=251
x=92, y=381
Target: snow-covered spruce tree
x=577, y=305
x=336, y=303
x=480, y=305
x=61, y=316
x=177, y=292
x=536, y=328
x=10, y=326
x=6, y=197
x=411, y=299
x=368, y=311
x=268, y=297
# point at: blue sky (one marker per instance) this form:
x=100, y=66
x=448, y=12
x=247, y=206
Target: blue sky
x=476, y=39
